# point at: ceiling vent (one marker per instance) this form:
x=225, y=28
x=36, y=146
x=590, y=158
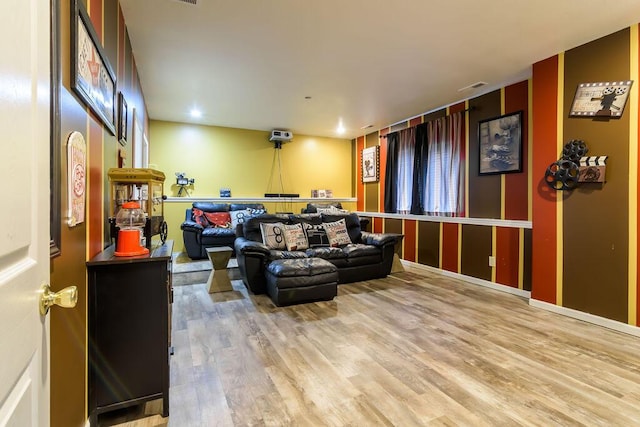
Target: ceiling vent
x=475, y=85
x=188, y=1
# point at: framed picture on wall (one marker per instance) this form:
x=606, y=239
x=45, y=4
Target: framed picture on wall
x=602, y=99
x=92, y=77
x=123, y=116
x=500, y=142
x=371, y=164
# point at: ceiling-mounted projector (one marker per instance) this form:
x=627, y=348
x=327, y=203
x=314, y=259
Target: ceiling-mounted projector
x=281, y=135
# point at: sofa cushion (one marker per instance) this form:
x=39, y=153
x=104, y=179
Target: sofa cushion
x=273, y=235
x=326, y=253
x=337, y=233
x=295, y=238
x=316, y=235
x=314, y=219
x=300, y=267
x=239, y=216
x=355, y=250
x=218, y=219
x=199, y=218
x=251, y=226
x=244, y=206
x=275, y=254
x=352, y=221
x=211, y=207
x=217, y=232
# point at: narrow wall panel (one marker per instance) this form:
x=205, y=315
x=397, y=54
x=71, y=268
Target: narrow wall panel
x=429, y=243
x=409, y=243
x=507, y=256
x=475, y=251
x=360, y=194
x=392, y=225
x=372, y=189
x=516, y=184
x=527, y=267
x=596, y=217
x=545, y=92
x=378, y=225
x=450, y=247
x=484, y=191
x=383, y=167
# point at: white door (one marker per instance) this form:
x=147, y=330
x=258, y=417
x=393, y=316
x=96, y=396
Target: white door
x=24, y=211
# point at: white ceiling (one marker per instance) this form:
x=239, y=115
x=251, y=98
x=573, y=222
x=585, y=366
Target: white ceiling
x=250, y=63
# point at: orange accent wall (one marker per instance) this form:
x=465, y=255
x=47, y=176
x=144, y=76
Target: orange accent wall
x=516, y=184
x=95, y=13
x=409, y=242
x=507, y=256
x=545, y=94
x=378, y=225
x=450, y=247
x=359, y=184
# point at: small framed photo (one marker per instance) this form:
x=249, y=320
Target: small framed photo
x=371, y=164
x=500, y=142
x=123, y=116
x=601, y=99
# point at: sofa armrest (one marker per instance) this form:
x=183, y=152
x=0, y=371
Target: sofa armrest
x=380, y=239
x=249, y=247
x=191, y=226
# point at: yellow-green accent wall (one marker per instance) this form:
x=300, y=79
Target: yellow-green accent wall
x=246, y=162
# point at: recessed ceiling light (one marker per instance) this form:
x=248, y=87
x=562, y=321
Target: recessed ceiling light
x=340, y=129
x=195, y=113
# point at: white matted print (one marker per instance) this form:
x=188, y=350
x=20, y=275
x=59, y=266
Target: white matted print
x=371, y=164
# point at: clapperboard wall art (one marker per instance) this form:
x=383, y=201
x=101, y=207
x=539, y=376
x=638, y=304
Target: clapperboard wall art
x=592, y=168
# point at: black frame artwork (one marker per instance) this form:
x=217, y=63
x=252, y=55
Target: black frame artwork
x=123, y=117
x=500, y=144
x=92, y=77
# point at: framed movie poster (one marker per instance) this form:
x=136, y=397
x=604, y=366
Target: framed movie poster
x=371, y=164
x=500, y=144
x=92, y=77
x=602, y=99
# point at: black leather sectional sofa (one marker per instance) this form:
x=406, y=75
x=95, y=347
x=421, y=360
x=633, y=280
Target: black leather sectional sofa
x=369, y=256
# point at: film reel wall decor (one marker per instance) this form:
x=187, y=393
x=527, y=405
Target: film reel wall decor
x=574, y=167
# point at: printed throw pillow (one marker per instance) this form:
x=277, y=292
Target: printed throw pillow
x=273, y=235
x=316, y=235
x=256, y=212
x=337, y=233
x=238, y=217
x=198, y=217
x=295, y=238
x=219, y=219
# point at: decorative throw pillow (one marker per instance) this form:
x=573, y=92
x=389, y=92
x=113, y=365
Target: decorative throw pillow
x=198, y=217
x=337, y=233
x=219, y=219
x=316, y=235
x=295, y=238
x=238, y=217
x=273, y=235
x=256, y=212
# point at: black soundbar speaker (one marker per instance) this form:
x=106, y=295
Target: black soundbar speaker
x=281, y=195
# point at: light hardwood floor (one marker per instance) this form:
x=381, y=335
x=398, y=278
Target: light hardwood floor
x=414, y=349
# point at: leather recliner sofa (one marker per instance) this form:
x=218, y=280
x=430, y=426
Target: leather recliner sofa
x=369, y=256
x=199, y=235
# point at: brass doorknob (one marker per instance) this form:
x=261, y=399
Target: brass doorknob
x=67, y=298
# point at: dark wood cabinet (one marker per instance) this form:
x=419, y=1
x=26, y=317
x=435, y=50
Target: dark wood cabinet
x=129, y=310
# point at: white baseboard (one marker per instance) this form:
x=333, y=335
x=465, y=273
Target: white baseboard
x=587, y=317
x=564, y=311
x=474, y=280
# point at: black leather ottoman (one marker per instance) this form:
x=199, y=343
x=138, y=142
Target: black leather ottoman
x=292, y=281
